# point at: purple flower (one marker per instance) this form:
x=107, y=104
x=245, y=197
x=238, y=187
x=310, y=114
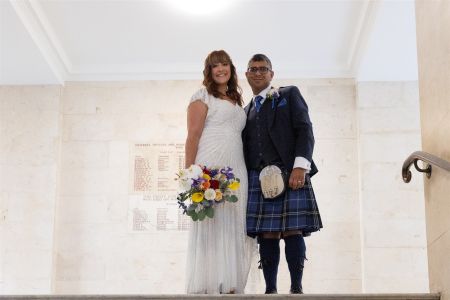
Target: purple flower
x=213, y=173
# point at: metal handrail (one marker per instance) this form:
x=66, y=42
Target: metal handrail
x=428, y=158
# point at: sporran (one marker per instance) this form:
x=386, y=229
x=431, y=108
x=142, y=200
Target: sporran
x=272, y=181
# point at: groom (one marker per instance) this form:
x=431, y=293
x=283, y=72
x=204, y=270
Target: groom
x=279, y=132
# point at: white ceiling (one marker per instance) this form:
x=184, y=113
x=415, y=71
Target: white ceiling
x=51, y=42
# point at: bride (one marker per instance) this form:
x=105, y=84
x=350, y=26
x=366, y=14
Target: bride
x=219, y=251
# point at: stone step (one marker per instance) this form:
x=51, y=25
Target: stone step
x=245, y=297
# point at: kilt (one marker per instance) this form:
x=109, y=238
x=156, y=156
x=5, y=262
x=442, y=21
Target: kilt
x=294, y=210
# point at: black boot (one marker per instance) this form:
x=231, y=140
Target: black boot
x=295, y=250
x=269, y=250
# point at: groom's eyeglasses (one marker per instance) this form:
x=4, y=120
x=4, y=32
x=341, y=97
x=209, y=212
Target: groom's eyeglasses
x=262, y=70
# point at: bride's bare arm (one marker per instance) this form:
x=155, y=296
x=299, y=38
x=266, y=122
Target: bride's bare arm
x=196, y=116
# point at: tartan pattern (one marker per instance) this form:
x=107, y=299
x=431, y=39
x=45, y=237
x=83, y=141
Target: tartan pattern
x=295, y=210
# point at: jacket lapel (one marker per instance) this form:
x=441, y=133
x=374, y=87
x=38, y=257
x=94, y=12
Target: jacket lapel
x=247, y=108
x=272, y=112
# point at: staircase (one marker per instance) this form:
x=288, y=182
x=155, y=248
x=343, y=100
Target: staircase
x=253, y=297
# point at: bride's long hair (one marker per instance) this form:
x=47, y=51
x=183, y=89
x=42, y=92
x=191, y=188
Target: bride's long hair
x=234, y=91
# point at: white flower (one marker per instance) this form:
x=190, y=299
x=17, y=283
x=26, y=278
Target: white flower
x=272, y=94
x=185, y=184
x=183, y=174
x=210, y=194
x=195, y=171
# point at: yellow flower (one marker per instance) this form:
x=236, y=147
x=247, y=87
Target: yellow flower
x=206, y=176
x=234, y=186
x=197, y=197
x=218, y=195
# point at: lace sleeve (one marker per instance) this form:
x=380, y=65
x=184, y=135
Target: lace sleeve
x=202, y=95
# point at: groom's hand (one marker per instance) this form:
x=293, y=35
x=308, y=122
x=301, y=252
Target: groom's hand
x=297, y=178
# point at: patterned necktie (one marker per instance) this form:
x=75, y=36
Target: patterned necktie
x=258, y=104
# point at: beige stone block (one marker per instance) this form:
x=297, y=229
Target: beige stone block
x=83, y=209
x=85, y=99
x=331, y=98
x=436, y=138
x=331, y=109
x=88, y=128
x=29, y=179
x=172, y=123
x=388, y=94
x=393, y=204
x=336, y=206
x=85, y=181
x=88, y=239
x=150, y=127
x=26, y=287
x=84, y=154
x=407, y=271
x=305, y=84
x=30, y=207
x=27, y=263
x=20, y=99
x=136, y=257
x=80, y=267
x=433, y=21
x=381, y=120
x=24, y=151
x=437, y=204
x=340, y=236
x=119, y=153
x=331, y=286
x=169, y=242
x=402, y=285
x=117, y=208
x=118, y=183
x=34, y=125
x=29, y=138
x=116, y=287
x=337, y=265
x=380, y=177
x=136, y=128
x=4, y=199
x=334, y=124
x=33, y=235
x=338, y=170
x=166, y=95
x=129, y=100
x=401, y=233
x=439, y=260
x=400, y=145
x=141, y=265
x=2, y=251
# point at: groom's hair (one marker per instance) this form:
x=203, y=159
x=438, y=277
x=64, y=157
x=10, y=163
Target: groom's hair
x=260, y=57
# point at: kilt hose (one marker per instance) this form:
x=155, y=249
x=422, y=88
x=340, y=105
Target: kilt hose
x=294, y=210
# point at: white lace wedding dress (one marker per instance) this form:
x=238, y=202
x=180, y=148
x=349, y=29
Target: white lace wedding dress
x=219, y=251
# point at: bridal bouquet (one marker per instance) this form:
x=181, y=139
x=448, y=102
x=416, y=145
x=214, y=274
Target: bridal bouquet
x=205, y=188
